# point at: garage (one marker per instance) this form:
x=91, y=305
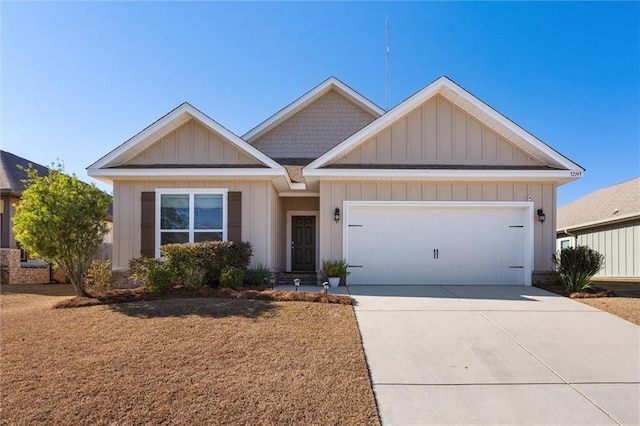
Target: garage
x=423, y=243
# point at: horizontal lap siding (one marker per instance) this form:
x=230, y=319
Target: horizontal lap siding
x=332, y=195
x=257, y=198
x=620, y=245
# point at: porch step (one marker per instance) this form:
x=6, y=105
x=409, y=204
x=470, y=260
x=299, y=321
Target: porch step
x=286, y=278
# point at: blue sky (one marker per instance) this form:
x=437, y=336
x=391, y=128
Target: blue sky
x=78, y=79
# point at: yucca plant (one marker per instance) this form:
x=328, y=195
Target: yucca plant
x=575, y=266
x=335, y=268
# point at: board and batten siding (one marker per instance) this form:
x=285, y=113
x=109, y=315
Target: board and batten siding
x=190, y=144
x=438, y=132
x=257, y=211
x=543, y=195
x=620, y=245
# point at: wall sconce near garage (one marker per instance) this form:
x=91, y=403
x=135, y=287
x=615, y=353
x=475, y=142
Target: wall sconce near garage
x=541, y=216
x=336, y=214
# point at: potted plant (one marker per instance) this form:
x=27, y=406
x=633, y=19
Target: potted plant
x=334, y=270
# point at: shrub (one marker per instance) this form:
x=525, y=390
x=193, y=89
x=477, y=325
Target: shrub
x=231, y=277
x=192, y=277
x=257, y=276
x=335, y=268
x=139, y=268
x=99, y=276
x=160, y=278
x=575, y=266
x=210, y=256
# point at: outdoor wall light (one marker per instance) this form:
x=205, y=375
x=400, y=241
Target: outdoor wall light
x=336, y=215
x=541, y=216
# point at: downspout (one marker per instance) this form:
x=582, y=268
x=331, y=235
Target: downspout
x=574, y=240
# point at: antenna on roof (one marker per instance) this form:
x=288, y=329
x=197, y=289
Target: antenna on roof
x=386, y=63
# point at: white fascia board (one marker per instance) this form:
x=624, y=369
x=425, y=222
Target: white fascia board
x=170, y=122
x=140, y=136
x=444, y=174
x=307, y=98
x=600, y=222
x=173, y=173
x=458, y=96
x=235, y=139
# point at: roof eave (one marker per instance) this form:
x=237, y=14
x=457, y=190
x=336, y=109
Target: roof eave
x=456, y=94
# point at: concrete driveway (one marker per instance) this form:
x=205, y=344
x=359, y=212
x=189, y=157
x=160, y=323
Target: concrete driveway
x=496, y=355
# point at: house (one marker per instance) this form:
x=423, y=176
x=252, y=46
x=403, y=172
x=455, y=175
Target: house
x=17, y=267
x=441, y=189
x=608, y=221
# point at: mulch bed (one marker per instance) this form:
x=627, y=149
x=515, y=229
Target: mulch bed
x=141, y=294
x=594, y=292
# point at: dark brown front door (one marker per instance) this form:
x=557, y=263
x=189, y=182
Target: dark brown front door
x=303, y=243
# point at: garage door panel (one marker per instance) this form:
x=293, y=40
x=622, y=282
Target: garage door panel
x=474, y=245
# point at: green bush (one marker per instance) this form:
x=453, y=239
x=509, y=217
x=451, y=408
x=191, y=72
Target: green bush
x=139, y=268
x=160, y=278
x=575, y=266
x=99, y=276
x=210, y=256
x=231, y=276
x=257, y=276
x=335, y=268
x=192, y=277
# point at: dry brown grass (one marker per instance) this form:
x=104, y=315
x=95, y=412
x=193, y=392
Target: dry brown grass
x=182, y=361
x=620, y=299
x=624, y=307
x=626, y=304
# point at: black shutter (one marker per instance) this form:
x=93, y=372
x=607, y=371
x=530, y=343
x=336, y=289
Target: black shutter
x=234, y=216
x=148, y=225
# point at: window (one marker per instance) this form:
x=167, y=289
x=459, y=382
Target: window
x=191, y=215
x=564, y=243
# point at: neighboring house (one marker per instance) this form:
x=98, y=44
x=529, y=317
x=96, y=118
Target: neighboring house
x=607, y=221
x=17, y=267
x=441, y=189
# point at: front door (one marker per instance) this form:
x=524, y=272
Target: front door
x=303, y=243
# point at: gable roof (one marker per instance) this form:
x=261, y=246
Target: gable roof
x=162, y=127
x=612, y=204
x=11, y=176
x=467, y=102
x=332, y=83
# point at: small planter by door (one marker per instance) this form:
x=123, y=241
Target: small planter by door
x=334, y=281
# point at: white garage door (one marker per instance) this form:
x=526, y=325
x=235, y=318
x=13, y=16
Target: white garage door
x=408, y=243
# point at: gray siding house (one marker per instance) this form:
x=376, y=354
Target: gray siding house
x=607, y=221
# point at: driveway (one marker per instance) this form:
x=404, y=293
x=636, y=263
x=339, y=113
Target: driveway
x=496, y=355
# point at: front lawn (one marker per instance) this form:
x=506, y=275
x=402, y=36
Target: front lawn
x=624, y=301
x=626, y=304
x=181, y=361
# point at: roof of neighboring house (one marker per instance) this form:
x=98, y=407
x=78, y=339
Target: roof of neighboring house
x=11, y=176
x=615, y=203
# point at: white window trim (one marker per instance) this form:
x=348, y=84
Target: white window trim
x=191, y=192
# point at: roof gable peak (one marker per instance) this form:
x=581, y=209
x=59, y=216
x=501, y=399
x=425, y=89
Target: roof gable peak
x=331, y=83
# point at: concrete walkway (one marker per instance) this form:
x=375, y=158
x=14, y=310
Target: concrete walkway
x=496, y=355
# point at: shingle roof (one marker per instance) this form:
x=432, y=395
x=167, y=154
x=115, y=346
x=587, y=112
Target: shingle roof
x=11, y=176
x=602, y=206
